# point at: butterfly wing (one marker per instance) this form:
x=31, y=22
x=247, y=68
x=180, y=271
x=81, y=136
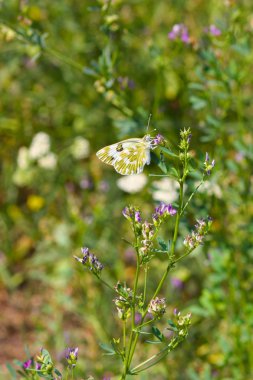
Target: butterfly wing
x=108, y=154
x=128, y=156
x=133, y=158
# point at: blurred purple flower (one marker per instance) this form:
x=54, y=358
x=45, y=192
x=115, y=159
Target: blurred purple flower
x=137, y=318
x=104, y=186
x=213, y=30
x=72, y=356
x=126, y=82
x=27, y=364
x=158, y=140
x=130, y=256
x=177, y=283
x=86, y=183
x=179, y=31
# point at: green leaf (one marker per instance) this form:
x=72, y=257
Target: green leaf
x=197, y=86
x=172, y=325
x=58, y=373
x=46, y=355
x=11, y=370
x=157, y=333
x=198, y=103
x=162, y=244
x=168, y=152
x=107, y=348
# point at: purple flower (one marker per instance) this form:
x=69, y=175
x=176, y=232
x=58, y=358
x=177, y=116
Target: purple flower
x=27, y=364
x=137, y=216
x=179, y=31
x=164, y=210
x=137, y=318
x=213, y=30
x=104, y=186
x=86, y=184
x=208, y=165
x=90, y=261
x=72, y=356
x=158, y=140
x=38, y=366
x=177, y=283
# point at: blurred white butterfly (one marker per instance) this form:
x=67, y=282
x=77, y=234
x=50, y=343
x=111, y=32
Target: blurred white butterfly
x=128, y=156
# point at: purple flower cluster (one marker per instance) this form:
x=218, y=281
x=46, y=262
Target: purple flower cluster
x=90, y=261
x=179, y=31
x=147, y=233
x=132, y=214
x=196, y=237
x=208, y=165
x=157, y=307
x=72, y=356
x=163, y=210
x=28, y=364
x=159, y=140
x=213, y=30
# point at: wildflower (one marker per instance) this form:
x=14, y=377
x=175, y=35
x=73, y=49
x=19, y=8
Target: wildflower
x=48, y=161
x=28, y=364
x=213, y=30
x=179, y=31
x=147, y=234
x=40, y=146
x=157, y=307
x=186, y=136
x=86, y=183
x=162, y=211
x=133, y=183
x=133, y=215
x=80, y=148
x=196, y=237
x=137, y=318
x=166, y=190
x=90, y=261
x=123, y=302
x=72, y=356
x=177, y=283
x=23, y=160
x=208, y=165
x=126, y=82
x=159, y=140
x=182, y=323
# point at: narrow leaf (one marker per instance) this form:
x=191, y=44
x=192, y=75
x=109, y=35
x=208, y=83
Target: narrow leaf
x=157, y=333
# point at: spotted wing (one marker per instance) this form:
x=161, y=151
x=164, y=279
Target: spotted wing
x=132, y=159
x=128, y=156
x=108, y=154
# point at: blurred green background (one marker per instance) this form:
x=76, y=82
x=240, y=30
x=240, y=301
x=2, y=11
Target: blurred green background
x=76, y=76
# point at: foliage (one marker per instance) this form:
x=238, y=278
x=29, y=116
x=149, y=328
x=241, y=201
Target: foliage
x=87, y=74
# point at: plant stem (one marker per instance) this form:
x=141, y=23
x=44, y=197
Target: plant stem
x=126, y=360
x=172, y=253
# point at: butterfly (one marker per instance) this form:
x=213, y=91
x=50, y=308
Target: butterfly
x=128, y=156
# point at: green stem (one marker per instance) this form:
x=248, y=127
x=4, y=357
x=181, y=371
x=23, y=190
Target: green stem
x=172, y=253
x=126, y=361
x=145, y=282
x=105, y=283
x=191, y=196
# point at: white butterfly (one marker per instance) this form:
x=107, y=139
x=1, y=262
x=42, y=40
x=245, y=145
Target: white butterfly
x=128, y=156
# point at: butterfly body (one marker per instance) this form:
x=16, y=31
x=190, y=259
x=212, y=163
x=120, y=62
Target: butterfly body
x=128, y=156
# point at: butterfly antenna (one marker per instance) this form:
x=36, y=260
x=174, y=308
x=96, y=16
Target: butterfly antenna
x=150, y=116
